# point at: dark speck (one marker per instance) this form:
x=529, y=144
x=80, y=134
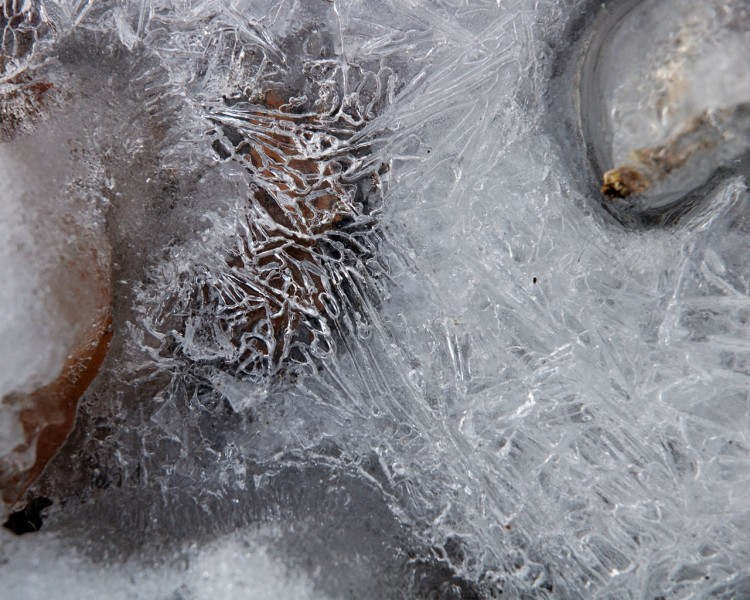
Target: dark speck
x=30, y=518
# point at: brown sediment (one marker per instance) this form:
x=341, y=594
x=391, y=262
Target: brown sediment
x=21, y=104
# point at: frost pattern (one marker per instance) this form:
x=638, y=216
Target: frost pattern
x=22, y=24
x=300, y=257
x=468, y=364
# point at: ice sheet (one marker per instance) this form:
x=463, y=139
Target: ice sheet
x=226, y=568
x=502, y=388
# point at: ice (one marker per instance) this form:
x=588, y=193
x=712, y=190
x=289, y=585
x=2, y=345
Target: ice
x=224, y=568
x=376, y=331
x=56, y=299
x=29, y=343
x=664, y=115
x=694, y=64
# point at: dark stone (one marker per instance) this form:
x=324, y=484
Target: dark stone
x=30, y=518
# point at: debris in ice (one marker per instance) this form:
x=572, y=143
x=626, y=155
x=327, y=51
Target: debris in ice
x=672, y=111
x=300, y=247
x=722, y=132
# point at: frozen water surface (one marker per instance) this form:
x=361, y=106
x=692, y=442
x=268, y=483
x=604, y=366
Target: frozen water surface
x=374, y=335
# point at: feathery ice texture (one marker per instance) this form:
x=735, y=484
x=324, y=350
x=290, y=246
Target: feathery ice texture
x=363, y=302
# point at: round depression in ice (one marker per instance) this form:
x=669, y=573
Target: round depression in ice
x=665, y=97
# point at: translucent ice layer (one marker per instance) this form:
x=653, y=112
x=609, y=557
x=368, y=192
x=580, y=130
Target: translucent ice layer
x=375, y=335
